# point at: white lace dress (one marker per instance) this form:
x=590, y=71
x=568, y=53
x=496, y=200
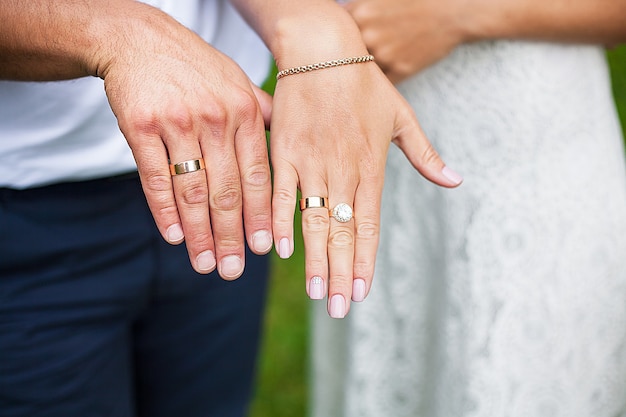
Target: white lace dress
x=505, y=297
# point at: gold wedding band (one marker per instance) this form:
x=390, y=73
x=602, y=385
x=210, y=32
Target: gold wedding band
x=187, y=166
x=313, y=202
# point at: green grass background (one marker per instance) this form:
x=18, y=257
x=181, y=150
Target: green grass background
x=281, y=390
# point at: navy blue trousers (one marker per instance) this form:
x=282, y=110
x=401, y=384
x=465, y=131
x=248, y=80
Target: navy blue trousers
x=99, y=316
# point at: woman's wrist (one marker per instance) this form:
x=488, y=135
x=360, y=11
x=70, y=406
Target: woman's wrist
x=477, y=20
x=311, y=41
x=303, y=33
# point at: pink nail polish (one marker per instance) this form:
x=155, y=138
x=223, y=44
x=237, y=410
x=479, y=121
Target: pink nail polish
x=358, y=290
x=284, y=248
x=452, y=175
x=316, y=288
x=337, y=308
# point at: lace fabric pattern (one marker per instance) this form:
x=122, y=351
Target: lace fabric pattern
x=505, y=297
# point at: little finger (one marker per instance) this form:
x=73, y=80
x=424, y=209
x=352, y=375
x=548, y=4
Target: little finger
x=367, y=234
x=256, y=186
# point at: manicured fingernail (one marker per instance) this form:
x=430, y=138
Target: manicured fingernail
x=284, y=248
x=337, y=306
x=452, y=175
x=358, y=290
x=175, y=233
x=262, y=241
x=231, y=267
x=316, y=288
x=206, y=261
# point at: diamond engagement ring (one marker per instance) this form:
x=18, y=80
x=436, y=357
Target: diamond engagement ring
x=342, y=213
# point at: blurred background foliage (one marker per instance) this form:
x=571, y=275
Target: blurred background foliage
x=281, y=389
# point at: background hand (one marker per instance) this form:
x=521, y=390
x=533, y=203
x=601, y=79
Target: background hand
x=406, y=36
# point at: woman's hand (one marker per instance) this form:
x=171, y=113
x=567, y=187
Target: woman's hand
x=406, y=36
x=331, y=131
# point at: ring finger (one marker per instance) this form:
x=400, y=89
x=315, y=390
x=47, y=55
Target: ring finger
x=191, y=194
x=315, y=226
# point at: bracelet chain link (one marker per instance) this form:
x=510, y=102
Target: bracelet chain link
x=323, y=65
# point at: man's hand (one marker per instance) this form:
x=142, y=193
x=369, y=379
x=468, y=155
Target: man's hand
x=178, y=99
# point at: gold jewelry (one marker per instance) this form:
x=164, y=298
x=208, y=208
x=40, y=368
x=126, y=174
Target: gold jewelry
x=323, y=65
x=342, y=213
x=187, y=166
x=313, y=202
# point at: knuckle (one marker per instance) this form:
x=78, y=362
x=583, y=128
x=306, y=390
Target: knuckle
x=194, y=193
x=247, y=104
x=230, y=243
x=257, y=176
x=156, y=183
x=181, y=119
x=364, y=268
x=158, y=190
x=340, y=282
x=197, y=238
x=283, y=196
x=317, y=265
x=142, y=122
x=166, y=211
x=227, y=198
x=282, y=224
x=315, y=222
x=340, y=238
x=429, y=155
x=258, y=220
x=216, y=115
x=257, y=214
x=367, y=230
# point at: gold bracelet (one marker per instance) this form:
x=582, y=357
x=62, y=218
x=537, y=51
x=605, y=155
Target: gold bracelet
x=323, y=65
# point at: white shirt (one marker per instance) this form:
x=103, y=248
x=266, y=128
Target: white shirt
x=65, y=131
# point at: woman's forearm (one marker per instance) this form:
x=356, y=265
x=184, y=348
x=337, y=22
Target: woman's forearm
x=300, y=33
x=588, y=21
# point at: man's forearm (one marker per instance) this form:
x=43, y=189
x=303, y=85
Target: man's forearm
x=62, y=39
